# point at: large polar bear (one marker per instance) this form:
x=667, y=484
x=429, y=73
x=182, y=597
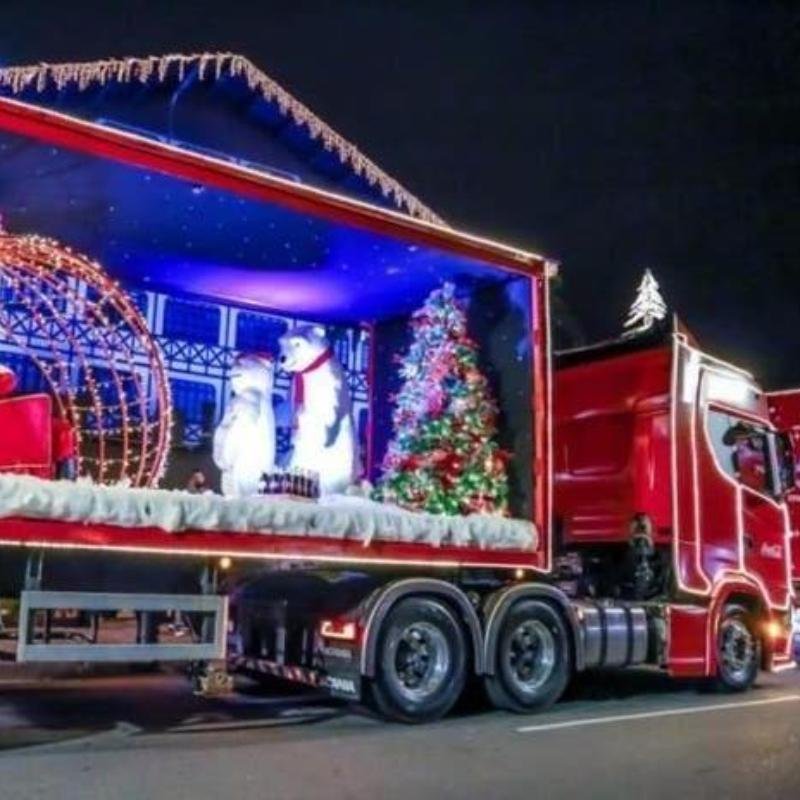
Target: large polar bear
x=324, y=439
x=244, y=441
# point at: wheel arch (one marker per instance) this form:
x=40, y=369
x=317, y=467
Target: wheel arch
x=500, y=604
x=388, y=596
x=735, y=590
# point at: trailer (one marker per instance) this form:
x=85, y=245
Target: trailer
x=647, y=506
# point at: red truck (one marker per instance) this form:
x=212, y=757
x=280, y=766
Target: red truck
x=784, y=409
x=649, y=480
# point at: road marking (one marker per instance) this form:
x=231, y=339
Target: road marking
x=669, y=712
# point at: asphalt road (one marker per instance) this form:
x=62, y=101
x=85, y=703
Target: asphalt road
x=615, y=736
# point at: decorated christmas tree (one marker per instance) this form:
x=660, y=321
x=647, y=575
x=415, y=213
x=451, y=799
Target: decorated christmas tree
x=443, y=458
x=648, y=308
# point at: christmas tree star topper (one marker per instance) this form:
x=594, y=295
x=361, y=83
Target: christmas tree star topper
x=648, y=308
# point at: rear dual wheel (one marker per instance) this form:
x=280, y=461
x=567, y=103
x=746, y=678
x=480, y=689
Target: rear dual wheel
x=533, y=658
x=421, y=664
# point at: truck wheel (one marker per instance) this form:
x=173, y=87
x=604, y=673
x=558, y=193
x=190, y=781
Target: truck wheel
x=738, y=651
x=421, y=664
x=533, y=659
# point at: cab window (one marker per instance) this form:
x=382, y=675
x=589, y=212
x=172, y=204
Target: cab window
x=741, y=450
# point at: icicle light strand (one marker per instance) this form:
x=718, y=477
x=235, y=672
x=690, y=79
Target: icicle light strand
x=212, y=66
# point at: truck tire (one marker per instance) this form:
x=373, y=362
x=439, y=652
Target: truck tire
x=738, y=650
x=421, y=662
x=533, y=659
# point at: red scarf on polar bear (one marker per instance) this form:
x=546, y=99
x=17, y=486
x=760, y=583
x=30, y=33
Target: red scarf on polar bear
x=299, y=382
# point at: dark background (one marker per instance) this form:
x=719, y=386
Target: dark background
x=610, y=136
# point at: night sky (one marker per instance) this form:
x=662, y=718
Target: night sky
x=608, y=136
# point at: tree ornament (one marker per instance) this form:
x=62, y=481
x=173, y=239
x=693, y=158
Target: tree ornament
x=648, y=308
x=443, y=451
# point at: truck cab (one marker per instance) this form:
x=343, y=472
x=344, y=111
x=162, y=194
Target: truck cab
x=670, y=483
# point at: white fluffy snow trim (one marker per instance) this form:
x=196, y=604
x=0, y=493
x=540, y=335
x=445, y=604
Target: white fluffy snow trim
x=335, y=517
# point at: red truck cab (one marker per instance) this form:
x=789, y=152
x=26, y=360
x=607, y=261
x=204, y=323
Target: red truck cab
x=669, y=483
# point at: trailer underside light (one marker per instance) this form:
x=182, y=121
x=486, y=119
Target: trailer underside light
x=225, y=562
x=338, y=629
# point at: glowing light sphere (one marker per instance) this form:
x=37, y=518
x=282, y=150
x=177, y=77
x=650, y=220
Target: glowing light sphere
x=92, y=348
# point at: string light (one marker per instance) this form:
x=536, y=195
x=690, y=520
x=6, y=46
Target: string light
x=72, y=309
x=214, y=66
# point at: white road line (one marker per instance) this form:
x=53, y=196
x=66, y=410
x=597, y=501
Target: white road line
x=670, y=712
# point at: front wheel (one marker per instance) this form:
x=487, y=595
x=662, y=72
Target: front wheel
x=738, y=651
x=533, y=658
x=421, y=662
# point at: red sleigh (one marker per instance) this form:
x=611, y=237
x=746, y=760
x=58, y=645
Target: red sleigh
x=32, y=440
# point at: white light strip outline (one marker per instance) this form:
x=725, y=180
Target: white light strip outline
x=679, y=344
x=726, y=365
x=783, y=392
x=667, y=712
x=550, y=467
x=696, y=400
x=234, y=554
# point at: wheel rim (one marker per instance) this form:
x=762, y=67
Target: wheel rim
x=421, y=661
x=531, y=656
x=737, y=650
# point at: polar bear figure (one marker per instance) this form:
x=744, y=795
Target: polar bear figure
x=324, y=439
x=244, y=441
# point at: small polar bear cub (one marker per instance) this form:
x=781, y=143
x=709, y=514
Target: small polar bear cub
x=244, y=441
x=324, y=438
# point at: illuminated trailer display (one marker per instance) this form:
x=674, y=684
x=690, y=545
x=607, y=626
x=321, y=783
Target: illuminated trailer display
x=620, y=536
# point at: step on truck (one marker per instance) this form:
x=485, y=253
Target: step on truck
x=647, y=521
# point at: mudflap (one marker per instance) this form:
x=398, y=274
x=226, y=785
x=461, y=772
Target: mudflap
x=341, y=666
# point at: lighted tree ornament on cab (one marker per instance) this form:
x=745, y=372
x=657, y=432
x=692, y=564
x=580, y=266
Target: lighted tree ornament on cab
x=648, y=308
x=443, y=458
x=100, y=364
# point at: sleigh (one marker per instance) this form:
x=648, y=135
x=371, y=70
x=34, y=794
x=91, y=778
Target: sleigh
x=33, y=441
